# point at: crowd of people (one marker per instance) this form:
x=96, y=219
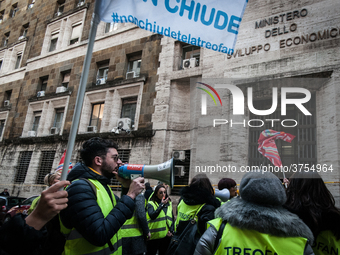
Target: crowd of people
x=86, y=217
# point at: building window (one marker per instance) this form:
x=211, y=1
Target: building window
x=36, y=120
x=76, y=32
x=80, y=3
x=66, y=78
x=109, y=27
x=97, y=115
x=60, y=7
x=45, y=166
x=58, y=118
x=42, y=84
x=124, y=155
x=6, y=39
x=191, y=53
x=1, y=63
x=54, y=41
x=14, y=10
x=133, y=69
x=18, y=61
x=8, y=95
x=129, y=109
x=2, y=126
x=24, y=31
x=102, y=74
x=24, y=162
x=302, y=150
x=31, y=4
x=2, y=15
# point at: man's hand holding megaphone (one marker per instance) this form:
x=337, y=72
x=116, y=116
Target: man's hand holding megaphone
x=136, y=186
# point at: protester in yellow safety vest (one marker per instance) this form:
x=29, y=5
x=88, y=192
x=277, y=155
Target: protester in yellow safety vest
x=199, y=193
x=160, y=218
x=257, y=223
x=309, y=198
x=94, y=216
x=135, y=231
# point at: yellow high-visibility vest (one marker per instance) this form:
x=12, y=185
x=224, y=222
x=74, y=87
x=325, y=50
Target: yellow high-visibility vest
x=131, y=227
x=326, y=243
x=244, y=241
x=76, y=244
x=186, y=212
x=160, y=226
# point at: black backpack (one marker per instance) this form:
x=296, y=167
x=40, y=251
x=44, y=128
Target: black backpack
x=185, y=239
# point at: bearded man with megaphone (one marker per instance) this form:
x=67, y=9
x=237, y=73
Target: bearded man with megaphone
x=93, y=219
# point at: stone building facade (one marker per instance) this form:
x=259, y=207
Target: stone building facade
x=281, y=44
x=40, y=75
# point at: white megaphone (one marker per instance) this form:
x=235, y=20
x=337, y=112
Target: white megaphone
x=163, y=172
x=223, y=194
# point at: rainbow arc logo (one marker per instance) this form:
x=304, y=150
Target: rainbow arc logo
x=204, y=97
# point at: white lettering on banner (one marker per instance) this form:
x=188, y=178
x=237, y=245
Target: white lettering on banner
x=212, y=25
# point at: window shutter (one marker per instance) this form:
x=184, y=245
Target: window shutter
x=76, y=30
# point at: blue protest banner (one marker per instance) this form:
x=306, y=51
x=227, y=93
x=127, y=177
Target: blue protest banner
x=212, y=24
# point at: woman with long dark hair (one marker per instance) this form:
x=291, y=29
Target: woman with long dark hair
x=309, y=198
x=160, y=220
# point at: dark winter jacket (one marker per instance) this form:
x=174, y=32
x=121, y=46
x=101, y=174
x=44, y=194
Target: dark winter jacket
x=16, y=237
x=194, y=196
x=83, y=212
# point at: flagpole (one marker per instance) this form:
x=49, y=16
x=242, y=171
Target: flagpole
x=81, y=91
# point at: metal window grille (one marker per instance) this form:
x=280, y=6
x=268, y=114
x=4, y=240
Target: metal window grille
x=45, y=166
x=124, y=155
x=302, y=150
x=24, y=162
x=183, y=180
